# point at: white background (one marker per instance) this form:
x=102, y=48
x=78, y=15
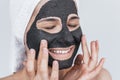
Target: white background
x=4, y=38
x=99, y=19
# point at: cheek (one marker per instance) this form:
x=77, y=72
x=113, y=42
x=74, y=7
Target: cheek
x=32, y=39
x=34, y=36
x=77, y=34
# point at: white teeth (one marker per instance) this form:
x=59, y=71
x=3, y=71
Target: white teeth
x=61, y=51
x=57, y=51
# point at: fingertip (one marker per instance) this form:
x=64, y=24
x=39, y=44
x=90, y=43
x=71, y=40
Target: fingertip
x=80, y=56
x=83, y=37
x=32, y=51
x=103, y=59
x=55, y=63
x=78, y=60
x=100, y=65
x=97, y=45
x=93, y=44
x=43, y=44
x=43, y=41
x=31, y=54
x=83, y=41
x=97, y=41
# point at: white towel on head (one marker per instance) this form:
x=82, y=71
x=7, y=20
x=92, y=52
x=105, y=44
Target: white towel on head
x=20, y=13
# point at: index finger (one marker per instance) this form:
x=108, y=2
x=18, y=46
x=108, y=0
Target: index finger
x=55, y=71
x=86, y=54
x=42, y=63
x=43, y=44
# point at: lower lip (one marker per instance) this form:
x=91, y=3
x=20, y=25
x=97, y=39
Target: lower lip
x=63, y=56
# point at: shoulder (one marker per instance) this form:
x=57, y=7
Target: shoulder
x=104, y=75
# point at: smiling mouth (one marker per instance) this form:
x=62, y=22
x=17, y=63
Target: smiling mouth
x=62, y=53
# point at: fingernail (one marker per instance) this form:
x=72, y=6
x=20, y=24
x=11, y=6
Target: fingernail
x=43, y=42
x=96, y=40
x=32, y=51
x=104, y=59
x=94, y=43
x=84, y=38
x=55, y=63
x=83, y=35
x=45, y=51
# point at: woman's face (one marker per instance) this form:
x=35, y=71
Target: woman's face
x=57, y=22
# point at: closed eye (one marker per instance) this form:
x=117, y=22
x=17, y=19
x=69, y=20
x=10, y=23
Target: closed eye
x=49, y=24
x=73, y=22
x=72, y=25
x=50, y=27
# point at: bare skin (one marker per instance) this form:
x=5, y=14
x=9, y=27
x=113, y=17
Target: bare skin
x=86, y=66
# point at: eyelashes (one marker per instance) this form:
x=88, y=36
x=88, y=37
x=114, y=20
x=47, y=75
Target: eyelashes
x=69, y=25
x=54, y=25
x=51, y=27
x=72, y=25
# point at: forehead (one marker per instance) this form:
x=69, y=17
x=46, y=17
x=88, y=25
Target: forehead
x=57, y=8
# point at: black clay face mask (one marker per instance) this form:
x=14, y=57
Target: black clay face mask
x=62, y=39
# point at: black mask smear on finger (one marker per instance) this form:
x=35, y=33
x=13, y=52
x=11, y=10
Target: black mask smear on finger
x=62, y=39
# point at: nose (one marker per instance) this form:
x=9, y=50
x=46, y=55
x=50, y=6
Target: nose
x=66, y=37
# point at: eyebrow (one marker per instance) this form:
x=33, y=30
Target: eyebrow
x=74, y=17
x=50, y=19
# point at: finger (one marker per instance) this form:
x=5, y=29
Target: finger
x=94, y=56
x=99, y=67
x=55, y=71
x=43, y=61
x=78, y=60
x=30, y=62
x=24, y=62
x=97, y=46
x=85, y=50
x=44, y=64
x=43, y=44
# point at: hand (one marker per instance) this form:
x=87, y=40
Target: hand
x=86, y=66
x=40, y=71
